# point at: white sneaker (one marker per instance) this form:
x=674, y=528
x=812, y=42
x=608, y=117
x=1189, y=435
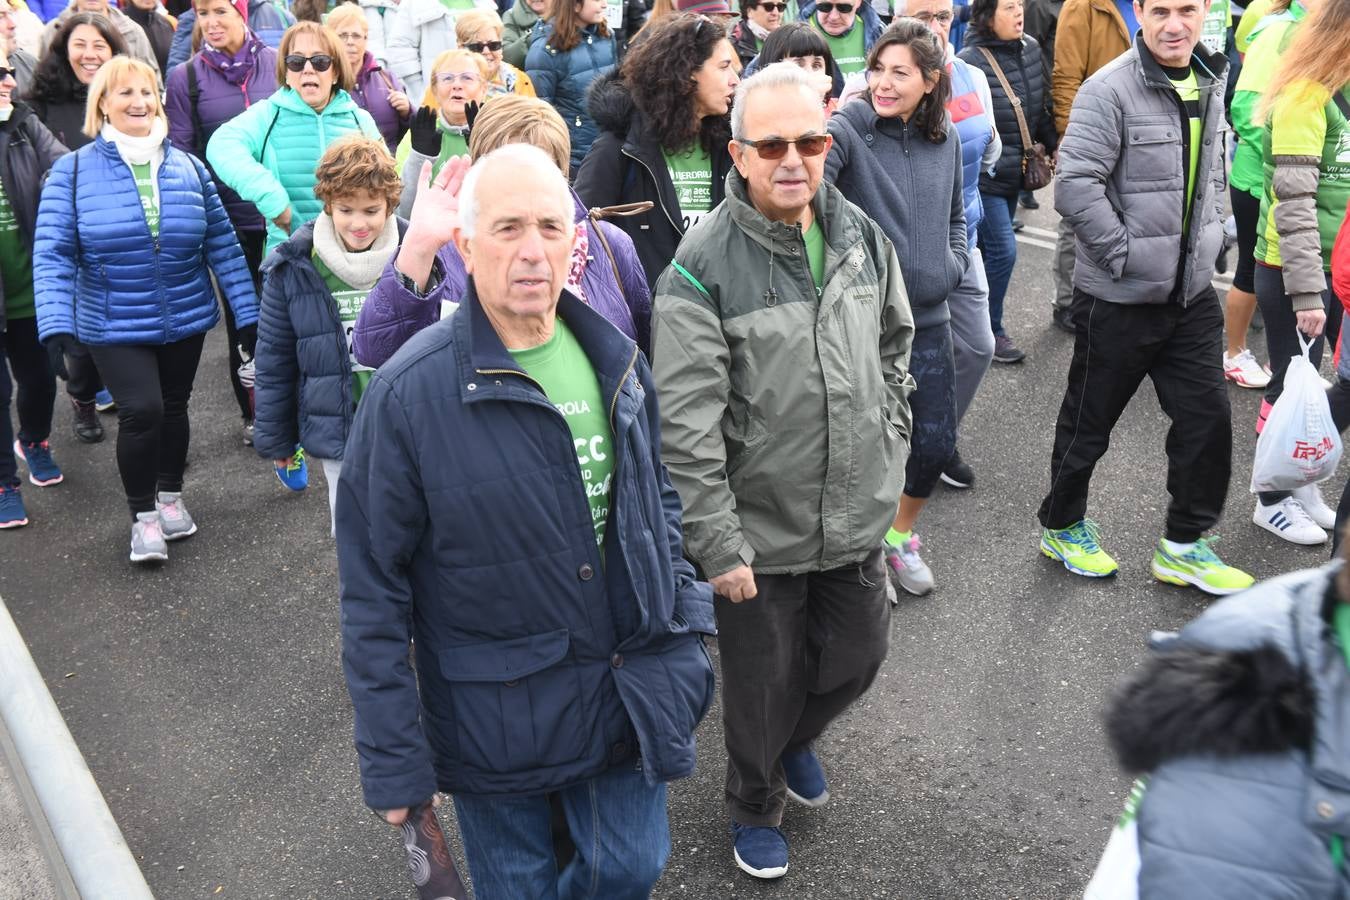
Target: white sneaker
x=175, y=522
x=1244, y=371
x=147, y=539
x=1289, y=520
x=1310, y=498
x=908, y=567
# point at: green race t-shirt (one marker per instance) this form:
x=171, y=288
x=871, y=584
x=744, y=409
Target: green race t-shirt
x=16, y=265
x=692, y=174
x=456, y=6
x=1214, y=28
x=815, y=253
x=349, y=302
x=849, y=49
x=562, y=369
x=145, y=186
x=1189, y=89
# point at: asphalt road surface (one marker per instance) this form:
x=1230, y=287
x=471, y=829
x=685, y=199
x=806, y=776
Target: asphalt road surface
x=207, y=695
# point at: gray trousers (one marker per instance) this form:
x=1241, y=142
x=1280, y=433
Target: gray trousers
x=972, y=336
x=793, y=659
x=1064, y=250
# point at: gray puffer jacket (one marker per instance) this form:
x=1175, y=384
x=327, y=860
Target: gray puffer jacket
x=1244, y=720
x=1121, y=181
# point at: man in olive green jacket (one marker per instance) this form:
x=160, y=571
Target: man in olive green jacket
x=781, y=342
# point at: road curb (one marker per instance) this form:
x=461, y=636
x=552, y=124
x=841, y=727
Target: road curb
x=84, y=848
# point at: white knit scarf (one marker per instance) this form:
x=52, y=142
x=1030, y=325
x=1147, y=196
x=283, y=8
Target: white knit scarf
x=137, y=151
x=359, y=269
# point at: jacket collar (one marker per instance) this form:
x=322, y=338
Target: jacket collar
x=827, y=206
x=287, y=98
x=1209, y=67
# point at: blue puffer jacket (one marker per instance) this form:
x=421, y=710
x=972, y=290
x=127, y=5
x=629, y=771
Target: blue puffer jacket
x=268, y=153
x=303, y=391
x=562, y=79
x=462, y=523
x=99, y=274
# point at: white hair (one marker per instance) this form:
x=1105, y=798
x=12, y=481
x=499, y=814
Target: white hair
x=521, y=157
x=779, y=75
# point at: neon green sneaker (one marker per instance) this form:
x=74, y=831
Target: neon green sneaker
x=1079, y=549
x=1200, y=568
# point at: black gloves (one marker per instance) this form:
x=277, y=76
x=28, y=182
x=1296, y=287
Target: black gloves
x=57, y=346
x=426, y=139
x=470, y=113
x=247, y=336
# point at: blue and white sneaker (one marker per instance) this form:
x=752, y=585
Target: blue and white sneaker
x=104, y=402
x=805, y=778
x=759, y=851
x=1289, y=520
x=12, y=513
x=296, y=475
x=42, y=469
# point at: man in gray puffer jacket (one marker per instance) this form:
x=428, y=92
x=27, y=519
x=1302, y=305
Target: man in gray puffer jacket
x=1140, y=183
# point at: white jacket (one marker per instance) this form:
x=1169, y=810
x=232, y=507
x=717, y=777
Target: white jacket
x=379, y=14
x=422, y=30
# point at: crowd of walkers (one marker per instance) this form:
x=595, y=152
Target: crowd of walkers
x=557, y=294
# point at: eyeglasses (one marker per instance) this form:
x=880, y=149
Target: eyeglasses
x=6, y=74
x=776, y=148
x=461, y=77
x=320, y=61
x=773, y=7
x=842, y=8
x=943, y=17
x=480, y=46
x=348, y=37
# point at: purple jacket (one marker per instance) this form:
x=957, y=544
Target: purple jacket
x=373, y=85
x=218, y=101
x=392, y=314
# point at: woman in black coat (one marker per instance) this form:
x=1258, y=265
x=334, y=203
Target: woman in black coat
x=996, y=31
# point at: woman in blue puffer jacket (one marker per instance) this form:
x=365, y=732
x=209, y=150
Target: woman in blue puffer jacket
x=571, y=49
x=129, y=230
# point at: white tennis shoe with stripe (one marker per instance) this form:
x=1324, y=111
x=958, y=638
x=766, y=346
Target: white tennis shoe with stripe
x=1289, y=520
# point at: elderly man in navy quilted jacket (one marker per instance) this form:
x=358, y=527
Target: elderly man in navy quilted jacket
x=502, y=502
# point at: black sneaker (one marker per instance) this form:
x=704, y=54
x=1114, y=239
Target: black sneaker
x=1018, y=225
x=957, y=474
x=1028, y=200
x=87, y=426
x=1063, y=319
x=1005, y=351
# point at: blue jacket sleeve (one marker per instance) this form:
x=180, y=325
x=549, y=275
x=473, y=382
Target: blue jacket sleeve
x=234, y=152
x=542, y=67
x=224, y=255
x=276, y=426
x=181, y=48
x=633, y=281
x=54, y=263
x=392, y=313
x=380, y=517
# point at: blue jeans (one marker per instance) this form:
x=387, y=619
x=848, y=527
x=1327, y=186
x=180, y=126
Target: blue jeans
x=617, y=822
x=998, y=245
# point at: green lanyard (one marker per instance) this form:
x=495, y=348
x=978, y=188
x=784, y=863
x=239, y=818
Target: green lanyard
x=1341, y=619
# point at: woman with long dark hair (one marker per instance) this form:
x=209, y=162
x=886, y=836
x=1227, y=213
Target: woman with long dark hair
x=898, y=157
x=573, y=48
x=665, y=120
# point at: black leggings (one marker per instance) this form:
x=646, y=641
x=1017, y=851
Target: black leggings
x=253, y=244
x=1247, y=216
x=36, y=395
x=152, y=384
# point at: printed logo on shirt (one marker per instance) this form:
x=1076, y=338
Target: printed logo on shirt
x=593, y=459
x=964, y=107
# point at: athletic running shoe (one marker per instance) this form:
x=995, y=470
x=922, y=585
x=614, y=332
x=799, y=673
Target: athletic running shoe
x=1201, y=568
x=1028, y=200
x=1289, y=520
x=42, y=469
x=87, y=426
x=174, y=519
x=104, y=402
x=147, y=539
x=805, y=778
x=12, y=513
x=296, y=475
x=1079, y=548
x=1310, y=498
x=1005, y=351
x=248, y=433
x=759, y=851
x=1244, y=371
x=957, y=474
x=908, y=568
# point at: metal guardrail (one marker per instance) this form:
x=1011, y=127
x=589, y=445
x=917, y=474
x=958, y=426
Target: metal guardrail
x=76, y=830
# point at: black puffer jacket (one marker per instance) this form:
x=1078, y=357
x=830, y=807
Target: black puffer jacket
x=1024, y=67
x=64, y=116
x=625, y=165
x=27, y=151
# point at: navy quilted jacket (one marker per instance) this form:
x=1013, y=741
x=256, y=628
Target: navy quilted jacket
x=561, y=79
x=99, y=274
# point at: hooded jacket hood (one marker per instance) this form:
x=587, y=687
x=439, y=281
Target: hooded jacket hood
x=611, y=104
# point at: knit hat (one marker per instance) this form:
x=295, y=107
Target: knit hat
x=704, y=7
x=242, y=7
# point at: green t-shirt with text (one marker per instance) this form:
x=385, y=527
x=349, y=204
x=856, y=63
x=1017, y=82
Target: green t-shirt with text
x=1189, y=90
x=815, y=253
x=565, y=373
x=849, y=49
x=349, y=301
x=692, y=174
x=16, y=265
x=1214, y=28
x=145, y=186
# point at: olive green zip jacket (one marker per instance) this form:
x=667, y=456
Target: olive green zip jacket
x=784, y=415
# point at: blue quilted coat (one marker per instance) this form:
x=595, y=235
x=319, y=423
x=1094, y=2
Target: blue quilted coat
x=99, y=274
x=562, y=79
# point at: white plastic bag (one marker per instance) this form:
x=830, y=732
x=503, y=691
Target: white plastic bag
x=1299, y=444
x=1117, y=873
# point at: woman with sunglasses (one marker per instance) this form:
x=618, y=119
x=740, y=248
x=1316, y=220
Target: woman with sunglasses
x=233, y=70
x=897, y=155
x=374, y=88
x=440, y=129
x=130, y=231
x=572, y=48
x=759, y=19
x=661, y=140
x=268, y=153
x=480, y=30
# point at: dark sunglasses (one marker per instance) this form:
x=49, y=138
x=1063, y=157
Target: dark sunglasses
x=843, y=8
x=776, y=148
x=480, y=46
x=8, y=73
x=321, y=62
x=772, y=7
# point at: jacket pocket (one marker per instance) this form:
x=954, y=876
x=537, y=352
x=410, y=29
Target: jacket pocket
x=1153, y=152
x=517, y=702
